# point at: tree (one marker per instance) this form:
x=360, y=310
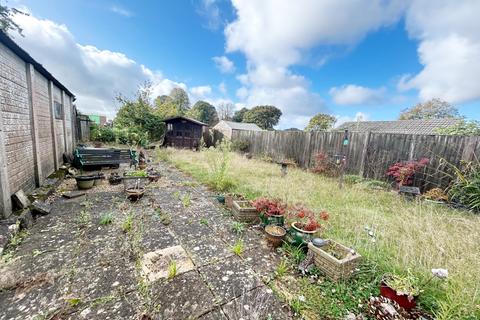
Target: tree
x=432, y=109
x=462, y=128
x=238, y=115
x=204, y=112
x=264, y=116
x=225, y=111
x=166, y=108
x=6, y=19
x=180, y=99
x=321, y=122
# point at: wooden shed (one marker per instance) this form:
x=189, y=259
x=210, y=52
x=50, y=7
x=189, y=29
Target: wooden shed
x=183, y=132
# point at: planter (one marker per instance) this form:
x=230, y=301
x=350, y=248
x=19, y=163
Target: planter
x=220, y=198
x=98, y=179
x=153, y=177
x=134, y=194
x=278, y=220
x=275, y=235
x=85, y=182
x=405, y=301
x=243, y=211
x=114, y=179
x=142, y=166
x=229, y=201
x=337, y=261
x=300, y=237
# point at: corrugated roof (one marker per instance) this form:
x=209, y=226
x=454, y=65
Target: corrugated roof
x=10, y=44
x=425, y=126
x=186, y=118
x=242, y=126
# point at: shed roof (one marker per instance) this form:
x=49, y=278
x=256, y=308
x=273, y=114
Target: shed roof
x=185, y=118
x=10, y=44
x=242, y=125
x=424, y=126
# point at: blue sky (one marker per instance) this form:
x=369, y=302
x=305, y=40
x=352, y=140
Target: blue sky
x=367, y=59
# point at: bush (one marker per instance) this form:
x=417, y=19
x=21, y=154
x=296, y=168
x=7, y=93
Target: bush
x=240, y=145
x=218, y=160
x=352, y=179
x=102, y=134
x=403, y=172
x=466, y=187
x=376, y=184
x=324, y=166
x=132, y=136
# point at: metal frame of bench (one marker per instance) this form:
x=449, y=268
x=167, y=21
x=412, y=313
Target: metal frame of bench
x=104, y=157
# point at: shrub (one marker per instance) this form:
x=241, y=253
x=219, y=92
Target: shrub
x=403, y=172
x=436, y=194
x=240, y=145
x=466, y=187
x=102, y=134
x=269, y=207
x=307, y=219
x=324, y=166
x=376, y=184
x=352, y=179
x=218, y=159
x=132, y=136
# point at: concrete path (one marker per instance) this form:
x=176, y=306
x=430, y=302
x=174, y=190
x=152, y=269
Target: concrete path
x=168, y=256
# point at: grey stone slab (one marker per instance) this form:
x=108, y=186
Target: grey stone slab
x=21, y=199
x=263, y=260
x=183, y=297
x=216, y=314
x=230, y=278
x=207, y=250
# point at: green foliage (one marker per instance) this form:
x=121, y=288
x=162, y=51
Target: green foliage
x=165, y=108
x=218, y=160
x=131, y=136
x=172, y=269
x=352, y=179
x=432, y=109
x=6, y=19
x=137, y=173
x=127, y=224
x=163, y=154
x=240, y=145
x=238, y=115
x=204, y=112
x=282, y=268
x=238, y=227
x=264, y=116
x=408, y=284
x=186, y=201
x=102, y=134
x=463, y=128
x=376, y=184
x=466, y=187
x=321, y=122
x=294, y=253
x=164, y=217
x=238, y=248
x=106, y=219
x=180, y=99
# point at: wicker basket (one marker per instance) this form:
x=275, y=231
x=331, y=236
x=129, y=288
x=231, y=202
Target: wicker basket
x=335, y=269
x=245, y=213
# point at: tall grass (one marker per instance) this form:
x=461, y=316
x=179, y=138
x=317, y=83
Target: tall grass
x=407, y=234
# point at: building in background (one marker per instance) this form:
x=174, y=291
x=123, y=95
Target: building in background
x=423, y=126
x=227, y=127
x=37, y=122
x=97, y=119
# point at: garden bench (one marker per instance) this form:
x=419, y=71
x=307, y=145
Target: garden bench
x=104, y=157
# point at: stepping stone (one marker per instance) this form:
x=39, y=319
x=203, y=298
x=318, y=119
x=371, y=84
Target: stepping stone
x=155, y=264
x=21, y=199
x=40, y=207
x=73, y=194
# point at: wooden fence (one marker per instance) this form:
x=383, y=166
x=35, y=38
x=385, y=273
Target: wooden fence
x=368, y=154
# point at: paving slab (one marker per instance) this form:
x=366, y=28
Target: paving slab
x=207, y=250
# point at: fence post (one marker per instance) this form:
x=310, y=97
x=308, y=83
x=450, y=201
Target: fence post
x=364, y=154
x=5, y=201
x=34, y=125
x=53, y=124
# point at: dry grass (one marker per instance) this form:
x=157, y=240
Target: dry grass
x=408, y=234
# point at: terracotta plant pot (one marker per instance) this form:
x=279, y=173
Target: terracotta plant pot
x=403, y=300
x=85, y=182
x=275, y=235
x=299, y=236
x=142, y=166
x=153, y=177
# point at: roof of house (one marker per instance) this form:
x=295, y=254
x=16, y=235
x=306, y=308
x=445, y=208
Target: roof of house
x=425, y=126
x=10, y=44
x=185, y=118
x=242, y=125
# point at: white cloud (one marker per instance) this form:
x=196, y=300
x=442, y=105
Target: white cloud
x=209, y=10
x=95, y=76
x=449, y=49
x=120, y=11
x=224, y=64
x=273, y=34
x=352, y=95
x=199, y=93
x=222, y=87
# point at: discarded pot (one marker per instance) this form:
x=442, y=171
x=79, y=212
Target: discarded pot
x=153, y=176
x=142, y=166
x=220, y=198
x=98, y=178
x=114, y=179
x=134, y=194
x=275, y=235
x=404, y=300
x=85, y=182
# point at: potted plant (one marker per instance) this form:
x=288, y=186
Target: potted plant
x=244, y=211
x=275, y=234
x=85, y=182
x=306, y=224
x=220, y=198
x=114, y=178
x=153, y=175
x=271, y=211
x=334, y=259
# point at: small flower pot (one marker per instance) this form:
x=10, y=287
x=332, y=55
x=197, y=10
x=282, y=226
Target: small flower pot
x=114, y=179
x=142, y=166
x=153, y=177
x=220, y=198
x=85, y=182
x=299, y=236
x=275, y=235
x=405, y=301
x=134, y=194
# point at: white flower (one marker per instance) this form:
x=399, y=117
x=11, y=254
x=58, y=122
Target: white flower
x=301, y=298
x=440, y=273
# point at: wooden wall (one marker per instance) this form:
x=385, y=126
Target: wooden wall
x=368, y=154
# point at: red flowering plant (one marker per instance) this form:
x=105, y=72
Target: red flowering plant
x=306, y=219
x=403, y=172
x=269, y=207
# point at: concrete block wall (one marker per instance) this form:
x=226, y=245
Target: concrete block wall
x=32, y=141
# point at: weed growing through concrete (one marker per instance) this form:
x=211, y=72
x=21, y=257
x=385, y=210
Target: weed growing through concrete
x=164, y=217
x=186, y=200
x=204, y=221
x=282, y=268
x=106, y=219
x=172, y=269
x=238, y=227
x=127, y=224
x=237, y=248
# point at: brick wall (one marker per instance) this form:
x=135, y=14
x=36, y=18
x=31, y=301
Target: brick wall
x=16, y=121
x=44, y=122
